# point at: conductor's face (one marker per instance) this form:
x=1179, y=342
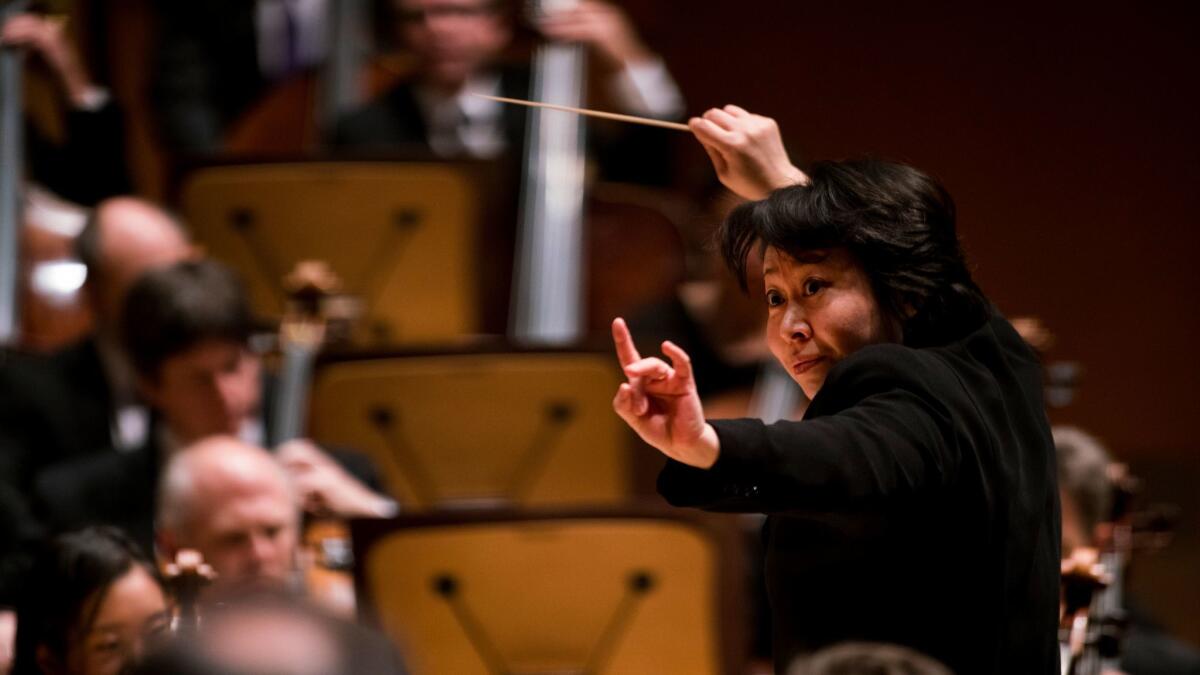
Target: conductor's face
x=820, y=310
x=452, y=39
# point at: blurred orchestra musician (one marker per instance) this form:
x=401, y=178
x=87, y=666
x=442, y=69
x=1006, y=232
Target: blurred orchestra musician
x=75, y=142
x=867, y=658
x=186, y=329
x=82, y=399
x=236, y=505
x=924, y=463
x=458, y=47
x=271, y=633
x=1087, y=493
x=215, y=58
x=92, y=605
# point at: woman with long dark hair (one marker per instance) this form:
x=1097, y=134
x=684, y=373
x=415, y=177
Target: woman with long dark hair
x=915, y=503
x=92, y=603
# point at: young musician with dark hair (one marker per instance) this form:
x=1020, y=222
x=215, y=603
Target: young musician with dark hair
x=186, y=329
x=91, y=604
x=916, y=502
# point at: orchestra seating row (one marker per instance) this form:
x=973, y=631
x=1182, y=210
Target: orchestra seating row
x=522, y=545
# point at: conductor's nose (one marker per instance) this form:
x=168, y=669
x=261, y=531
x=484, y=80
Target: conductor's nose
x=795, y=326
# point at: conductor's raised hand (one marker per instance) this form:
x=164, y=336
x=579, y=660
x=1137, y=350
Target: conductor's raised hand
x=659, y=402
x=746, y=151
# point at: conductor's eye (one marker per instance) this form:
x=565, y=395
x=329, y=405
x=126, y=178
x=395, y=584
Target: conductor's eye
x=814, y=286
x=774, y=298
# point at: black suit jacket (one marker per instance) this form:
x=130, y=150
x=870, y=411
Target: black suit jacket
x=206, y=70
x=89, y=164
x=394, y=121
x=52, y=408
x=111, y=488
x=915, y=504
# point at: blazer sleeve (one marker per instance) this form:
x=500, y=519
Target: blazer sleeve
x=886, y=431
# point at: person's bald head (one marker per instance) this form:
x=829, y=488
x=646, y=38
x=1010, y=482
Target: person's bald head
x=124, y=237
x=234, y=503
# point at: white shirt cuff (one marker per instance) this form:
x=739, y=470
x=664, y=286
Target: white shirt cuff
x=93, y=99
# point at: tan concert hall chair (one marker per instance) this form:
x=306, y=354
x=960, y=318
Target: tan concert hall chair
x=401, y=236
x=496, y=429
x=600, y=593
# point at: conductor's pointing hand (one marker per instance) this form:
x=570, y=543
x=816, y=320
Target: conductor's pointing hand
x=659, y=401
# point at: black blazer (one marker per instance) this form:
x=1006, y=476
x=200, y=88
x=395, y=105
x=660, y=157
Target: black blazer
x=110, y=488
x=52, y=408
x=916, y=503
x=89, y=164
x=205, y=70
x=394, y=122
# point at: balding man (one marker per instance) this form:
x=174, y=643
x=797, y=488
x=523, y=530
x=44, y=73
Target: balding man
x=234, y=503
x=81, y=400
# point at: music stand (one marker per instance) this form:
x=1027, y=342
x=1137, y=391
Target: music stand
x=586, y=592
x=534, y=428
x=402, y=237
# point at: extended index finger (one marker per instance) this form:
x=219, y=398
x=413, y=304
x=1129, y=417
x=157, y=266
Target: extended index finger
x=627, y=353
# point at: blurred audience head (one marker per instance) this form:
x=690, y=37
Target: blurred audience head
x=124, y=237
x=233, y=503
x=274, y=634
x=1085, y=488
x=452, y=39
x=185, y=328
x=92, y=604
x=867, y=658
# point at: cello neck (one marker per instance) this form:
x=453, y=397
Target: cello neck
x=11, y=164
x=548, y=280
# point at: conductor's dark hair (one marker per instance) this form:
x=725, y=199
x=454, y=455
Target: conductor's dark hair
x=896, y=221
x=171, y=309
x=66, y=587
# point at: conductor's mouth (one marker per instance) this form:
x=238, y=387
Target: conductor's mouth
x=805, y=365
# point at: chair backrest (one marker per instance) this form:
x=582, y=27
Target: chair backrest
x=401, y=236
x=511, y=428
x=587, y=593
